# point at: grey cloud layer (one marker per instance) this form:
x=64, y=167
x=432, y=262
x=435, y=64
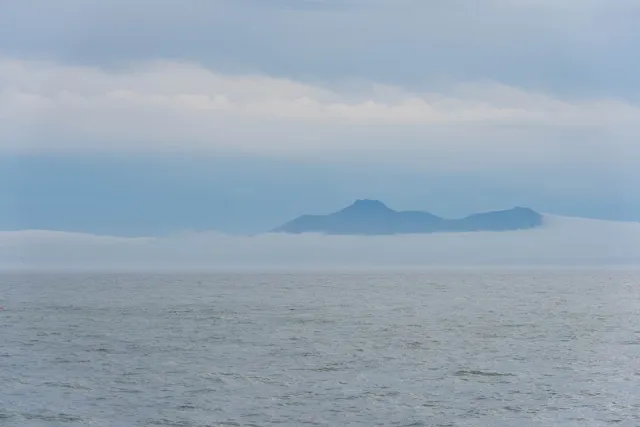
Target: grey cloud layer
x=578, y=47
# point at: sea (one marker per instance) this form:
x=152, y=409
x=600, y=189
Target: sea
x=487, y=347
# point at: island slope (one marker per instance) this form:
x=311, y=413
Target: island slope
x=372, y=217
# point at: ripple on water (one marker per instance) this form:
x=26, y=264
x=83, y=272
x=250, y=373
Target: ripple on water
x=479, y=373
x=427, y=349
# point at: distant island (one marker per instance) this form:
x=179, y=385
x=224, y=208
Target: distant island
x=372, y=217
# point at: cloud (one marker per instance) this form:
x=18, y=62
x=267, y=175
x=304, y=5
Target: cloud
x=170, y=106
x=30, y=88
x=578, y=47
x=562, y=241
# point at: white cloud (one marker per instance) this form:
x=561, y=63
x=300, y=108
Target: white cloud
x=37, y=91
x=562, y=241
x=48, y=107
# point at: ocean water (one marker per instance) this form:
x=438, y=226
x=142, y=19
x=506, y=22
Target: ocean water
x=435, y=348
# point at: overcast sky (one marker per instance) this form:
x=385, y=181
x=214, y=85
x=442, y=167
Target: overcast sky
x=150, y=116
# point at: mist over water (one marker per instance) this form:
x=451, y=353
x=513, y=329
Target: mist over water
x=560, y=241
x=436, y=348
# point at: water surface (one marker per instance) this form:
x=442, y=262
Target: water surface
x=468, y=348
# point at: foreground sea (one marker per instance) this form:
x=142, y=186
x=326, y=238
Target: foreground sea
x=432, y=348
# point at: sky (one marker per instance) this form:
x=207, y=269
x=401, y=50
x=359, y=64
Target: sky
x=151, y=117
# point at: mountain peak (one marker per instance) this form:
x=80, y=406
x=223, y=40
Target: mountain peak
x=367, y=206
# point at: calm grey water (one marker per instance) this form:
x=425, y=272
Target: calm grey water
x=426, y=349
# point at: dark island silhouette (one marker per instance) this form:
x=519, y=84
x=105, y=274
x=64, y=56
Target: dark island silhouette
x=372, y=217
